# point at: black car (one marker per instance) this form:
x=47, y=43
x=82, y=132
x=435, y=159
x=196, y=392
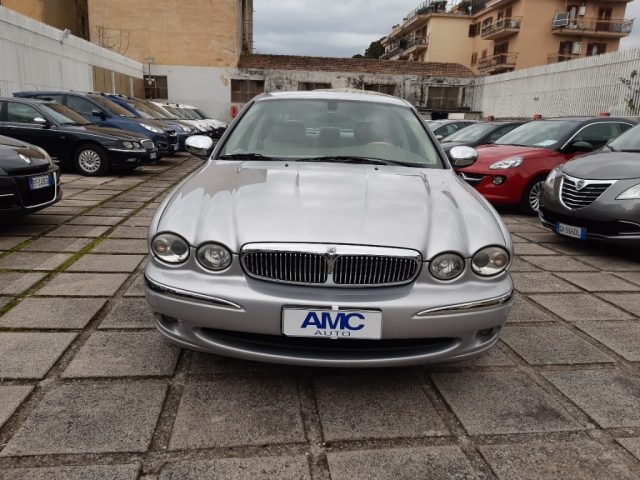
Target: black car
x=597, y=195
x=480, y=133
x=444, y=128
x=29, y=180
x=70, y=139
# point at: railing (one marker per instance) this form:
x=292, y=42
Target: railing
x=620, y=26
x=404, y=45
x=501, y=25
x=562, y=57
x=394, y=49
x=498, y=61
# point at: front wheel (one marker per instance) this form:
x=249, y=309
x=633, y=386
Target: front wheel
x=91, y=160
x=530, y=203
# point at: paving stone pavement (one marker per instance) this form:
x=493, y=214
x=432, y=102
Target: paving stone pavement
x=88, y=389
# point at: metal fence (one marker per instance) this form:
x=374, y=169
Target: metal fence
x=586, y=86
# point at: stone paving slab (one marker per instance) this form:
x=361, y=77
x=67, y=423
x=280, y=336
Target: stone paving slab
x=120, y=354
x=575, y=307
x=7, y=243
x=33, y=261
x=121, y=246
x=433, y=463
x=600, y=282
x=525, y=311
x=91, y=417
x=632, y=445
x=255, y=468
x=375, y=407
x=16, y=283
x=614, y=264
x=578, y=460
x=493, y=403
x=621, y=337
x=91, y=472
x=129, y=313
x=31, y=354
x=611, y=398
x=52, y=313
x=628, y=301
x=84, y=284
x=106, y=263
x=559, y=263
x=11, y=396
x=90, y=231
x=136, y=287
x=59, y=244
x=552, y=345
x=534, y=282
x=96, y=220
x=239, y=411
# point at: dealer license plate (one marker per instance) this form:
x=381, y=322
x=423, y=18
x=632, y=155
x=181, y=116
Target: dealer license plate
x=571, y=231
x=153, y=155
x=328, y=323
x=41, y=181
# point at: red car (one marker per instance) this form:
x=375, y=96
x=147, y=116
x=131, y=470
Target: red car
x=511, y=171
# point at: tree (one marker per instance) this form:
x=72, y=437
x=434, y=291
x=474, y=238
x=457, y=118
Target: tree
x=633, y=86
x=375, y=50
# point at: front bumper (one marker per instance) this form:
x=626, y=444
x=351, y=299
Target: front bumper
x=241, y=317
x=120, y=157
x=17, y=198
x=507, y=193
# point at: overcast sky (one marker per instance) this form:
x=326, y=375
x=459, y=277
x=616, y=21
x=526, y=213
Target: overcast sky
x=342, y=28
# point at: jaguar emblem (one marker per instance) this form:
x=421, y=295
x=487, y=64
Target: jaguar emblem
x=580, y=184
x=331, y=252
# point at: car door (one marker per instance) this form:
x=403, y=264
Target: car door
x=21, y=121
x=87, y=109
x=598, y=134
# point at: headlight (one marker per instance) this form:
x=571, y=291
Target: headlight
x=170, y=248
x=447, y=266
x=127, y=144
x=151, y=128
x=213, y=256
x=136, y=145
x=186, y=129
x=551, y=178
x=46, y=155
x=512, y=162
x=632, y=193
x=490, y=261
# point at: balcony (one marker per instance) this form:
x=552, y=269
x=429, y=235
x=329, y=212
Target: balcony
x=499, y=63
x=405, y=48
x=502, y=28
x=594, y=27
x=563, y=57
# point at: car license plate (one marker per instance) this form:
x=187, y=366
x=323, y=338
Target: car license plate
x=331, y=323
x=153, y=155
x=175, y=148
x=41, y=181
x=571, y=231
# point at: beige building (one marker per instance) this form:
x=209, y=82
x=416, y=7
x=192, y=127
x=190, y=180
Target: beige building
x=203, y=33
x=497, y=36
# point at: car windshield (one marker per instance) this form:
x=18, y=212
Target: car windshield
x=112, y=107
x=200, y=114
x=332, y=130
x=433, y=124
x=629, y=141
x=162, y=112
x=471, y=133
x=188, y=113
x=143, y=109
x=543, y=133
x=63, y=115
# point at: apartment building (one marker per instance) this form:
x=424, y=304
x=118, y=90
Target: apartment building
x=497, y=36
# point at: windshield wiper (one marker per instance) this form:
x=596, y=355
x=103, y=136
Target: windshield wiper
x=628, y=150
x=351, y=159
x=611, y=149
x=248, y=156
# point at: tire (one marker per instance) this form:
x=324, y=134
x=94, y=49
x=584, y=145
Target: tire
x=91, y=160
x=530, y=202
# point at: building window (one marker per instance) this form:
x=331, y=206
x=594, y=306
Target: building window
x=443, y=98
x=474, y=58
x=244, y=90
x=473, y=30
x=484, y=54
x=155, y=86
x=307, y=86
x=596, y=48
x=389, y=89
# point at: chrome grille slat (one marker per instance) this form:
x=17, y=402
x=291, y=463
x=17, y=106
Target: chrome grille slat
x=574, y=198
x=353, y=268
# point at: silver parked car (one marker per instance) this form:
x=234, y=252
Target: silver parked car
x=597, y=195
x=328, y=228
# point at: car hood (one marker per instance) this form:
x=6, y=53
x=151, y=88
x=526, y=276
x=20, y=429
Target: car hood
x=233, y=203
x=10, y=160
x=605, y=166
x=110, y=133
x=446, y=146
x=489, y=154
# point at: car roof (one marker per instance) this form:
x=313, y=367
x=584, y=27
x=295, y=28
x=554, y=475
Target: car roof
x=587, y=119
x=335, y=94
x=27, y=100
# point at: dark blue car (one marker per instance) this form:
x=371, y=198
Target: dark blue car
x=100, y=110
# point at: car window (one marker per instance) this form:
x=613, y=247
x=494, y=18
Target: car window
x=472, y=133
x=112, y=107
x=63, y=115
x=53, y=97
x=80, y=105
x=21, y=113
x=630, y=140
x=598, y=134
x=306, y=128
x=539, y=133
x=501, y=132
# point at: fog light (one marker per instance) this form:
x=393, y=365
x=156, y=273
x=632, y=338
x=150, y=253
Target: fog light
x=499, y=180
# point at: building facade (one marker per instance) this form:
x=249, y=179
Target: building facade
x=497, y=36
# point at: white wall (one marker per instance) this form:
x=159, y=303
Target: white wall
x=207, y=88
x=35, y=56
x=585, y=86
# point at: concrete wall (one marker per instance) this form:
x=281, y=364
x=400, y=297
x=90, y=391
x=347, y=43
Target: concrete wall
x=37, y=57
x=586, y=86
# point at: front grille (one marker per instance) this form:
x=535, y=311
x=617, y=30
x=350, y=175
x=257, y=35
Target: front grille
x=31, y=198
x=597, y=227
x=589, y=191
x=472, y=178
x=147, y=144
x=331, y=265
x=173, y=137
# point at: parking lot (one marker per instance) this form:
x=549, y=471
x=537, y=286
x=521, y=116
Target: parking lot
x=89, y=390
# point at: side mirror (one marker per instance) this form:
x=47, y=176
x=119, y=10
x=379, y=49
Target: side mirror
x=439, y=137
x=96, y=112
x=41, y=121
x=200, y=146
x=463, y=156
x=580, y=147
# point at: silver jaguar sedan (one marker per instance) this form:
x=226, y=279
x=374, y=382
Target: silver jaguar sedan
x=328, y=228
